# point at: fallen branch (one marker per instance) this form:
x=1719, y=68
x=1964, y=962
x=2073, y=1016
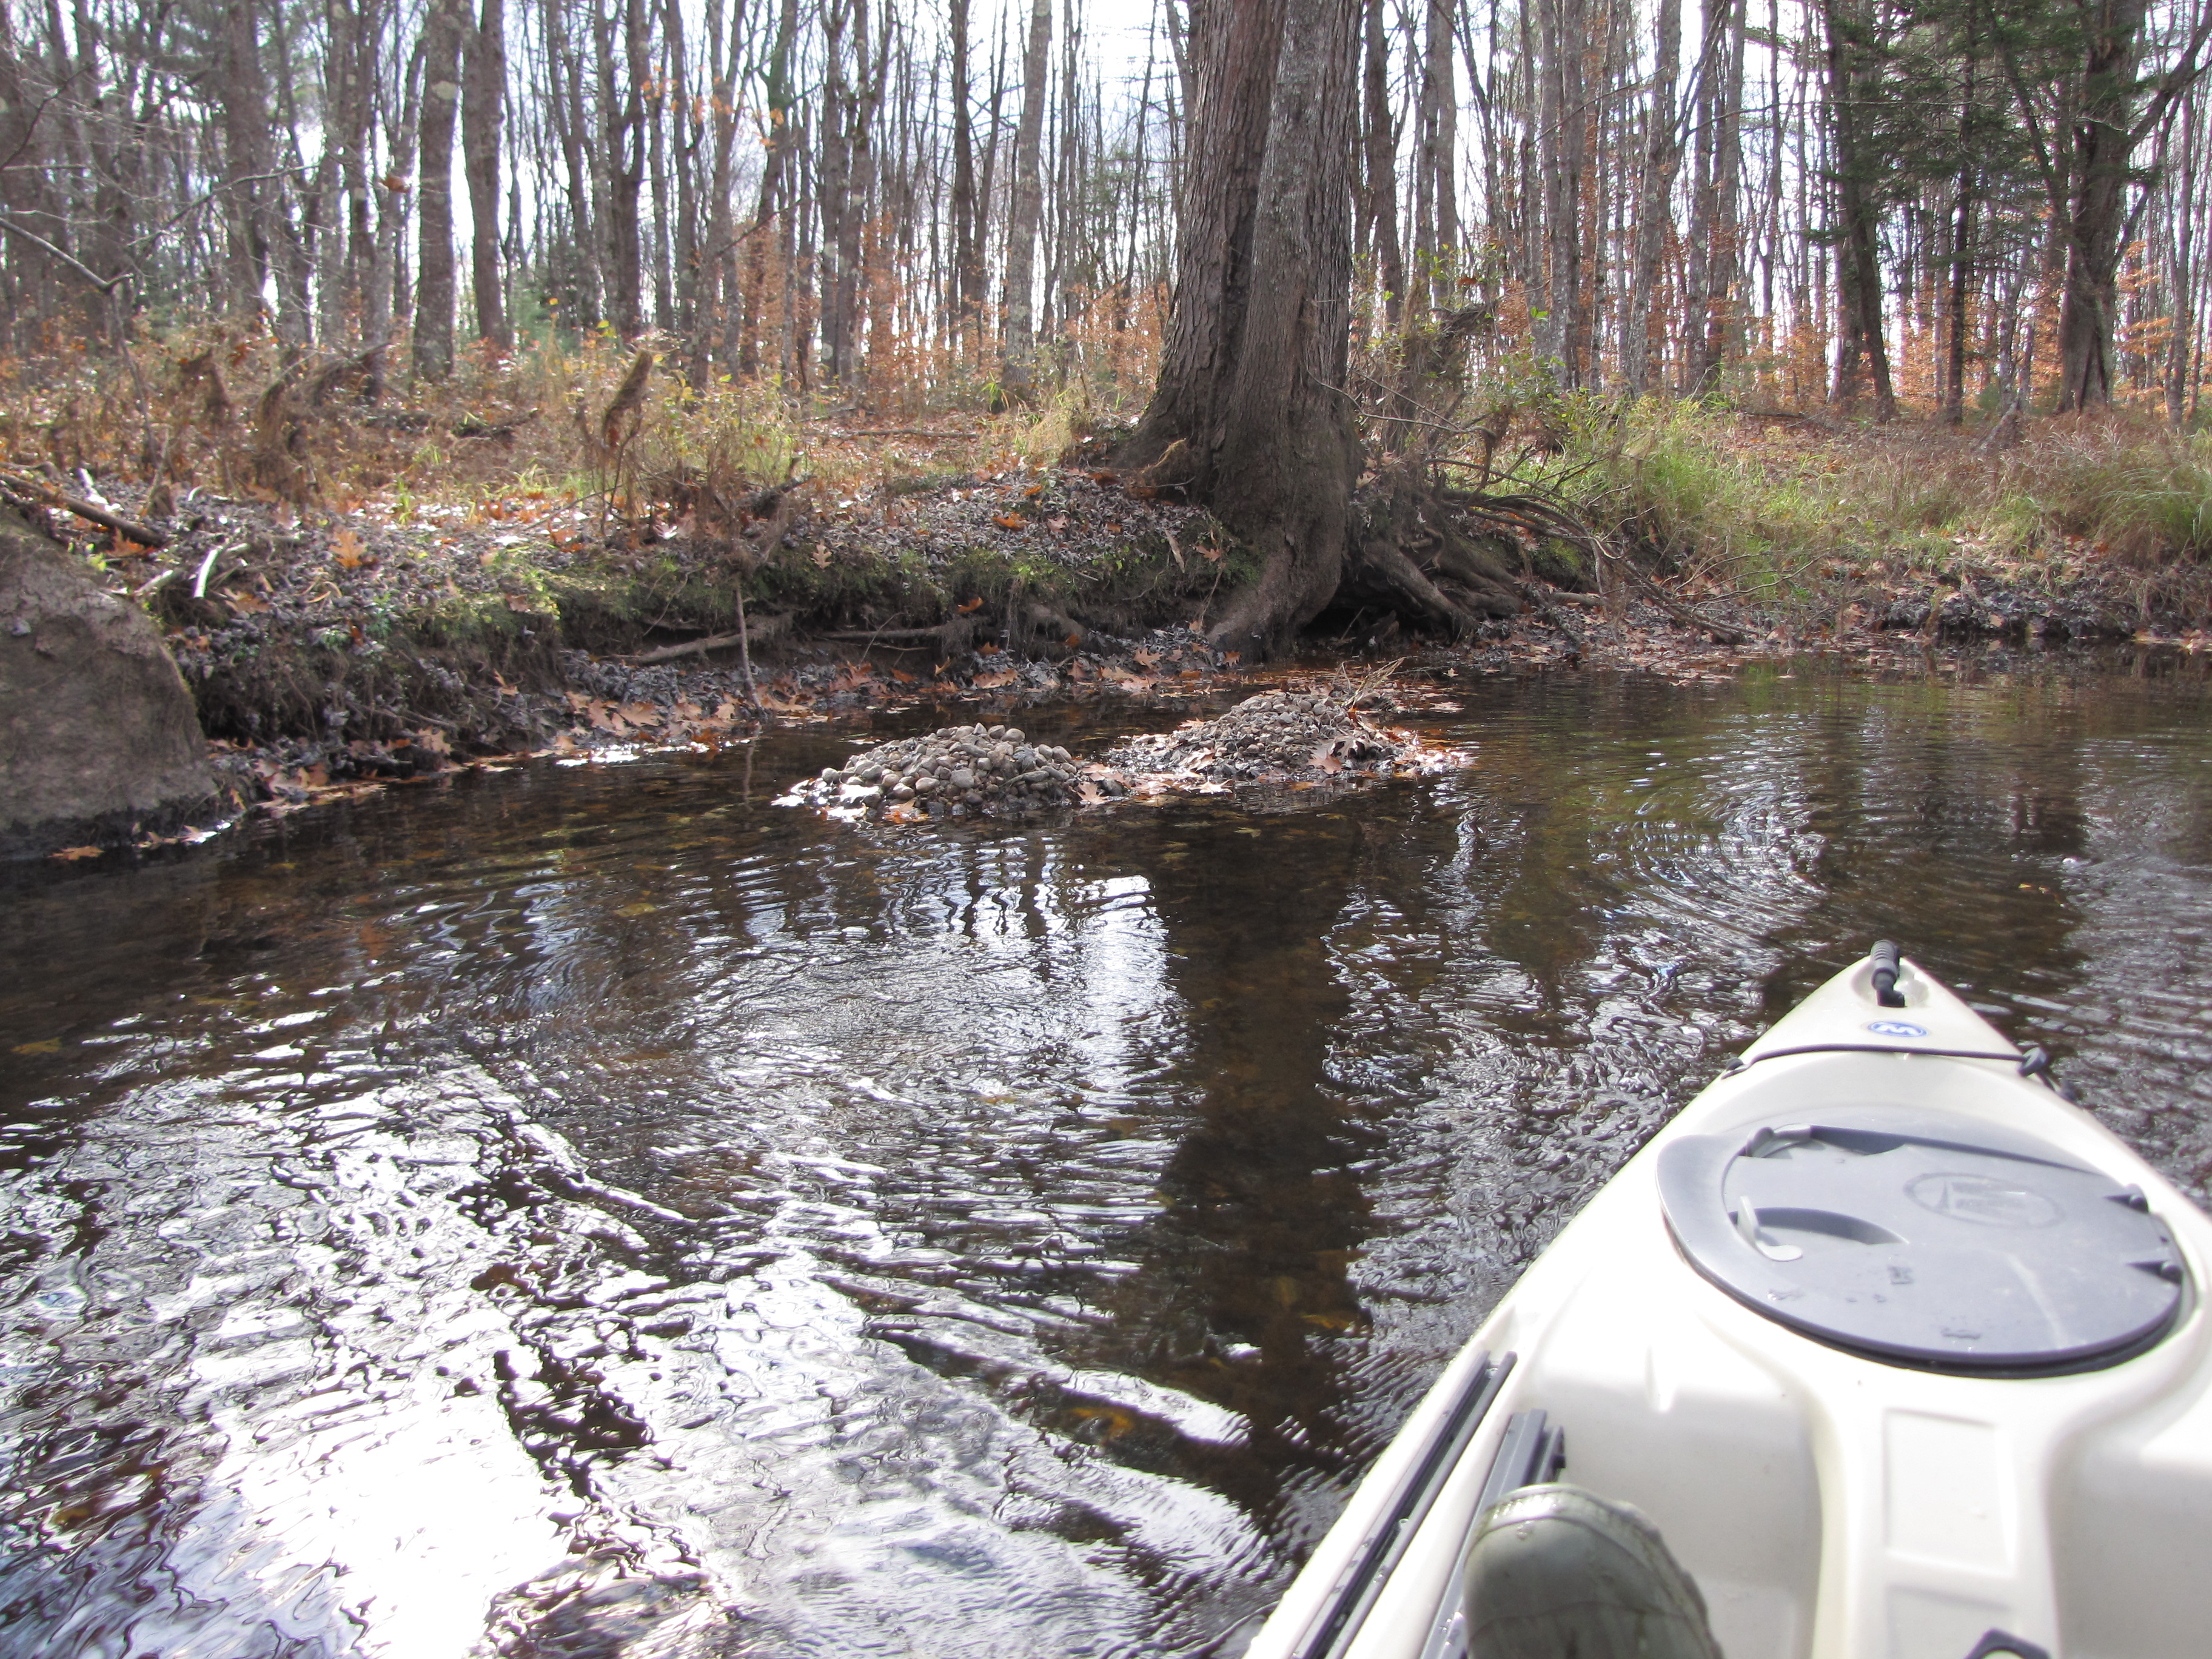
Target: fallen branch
x=743, y=640
x=144, y=534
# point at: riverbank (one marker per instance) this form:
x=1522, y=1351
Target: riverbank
x=358, y=596
x=331, y=651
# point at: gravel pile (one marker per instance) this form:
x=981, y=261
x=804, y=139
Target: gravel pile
x=1277, y=734
x=958, y=770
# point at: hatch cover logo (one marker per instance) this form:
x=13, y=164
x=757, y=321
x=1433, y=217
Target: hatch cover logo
x=1981, y=1200
x=1897, y=1028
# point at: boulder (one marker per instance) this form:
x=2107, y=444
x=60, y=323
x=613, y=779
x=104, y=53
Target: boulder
x=99, y=741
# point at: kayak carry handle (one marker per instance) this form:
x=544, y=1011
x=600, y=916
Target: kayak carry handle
x=1887, y=960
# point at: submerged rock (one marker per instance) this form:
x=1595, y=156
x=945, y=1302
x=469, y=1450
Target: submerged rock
x=99, y=740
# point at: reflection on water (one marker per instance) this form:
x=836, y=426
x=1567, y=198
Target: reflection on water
x=569, y=1201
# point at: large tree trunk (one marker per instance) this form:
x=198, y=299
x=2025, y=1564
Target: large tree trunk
x=623, y=161
x=1962, y=253
x=247, y=158
x=966, y=249
x=782, y=139
x=1564, y=29
x=1016, y=352
x=1380, y=206
x=1249, y=414
x=2101, y=146
x=434, y=204
x=2180, y=347
x=1854, y=87
x=1713, y=331
x=1662, y=159
x=483, y=90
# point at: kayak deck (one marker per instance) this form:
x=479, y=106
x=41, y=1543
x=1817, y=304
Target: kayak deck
x=1828, y=1504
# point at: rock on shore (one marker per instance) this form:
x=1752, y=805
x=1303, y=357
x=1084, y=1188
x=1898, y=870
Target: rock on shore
x=99, y=742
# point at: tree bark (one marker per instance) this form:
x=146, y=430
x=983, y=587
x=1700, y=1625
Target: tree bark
x=247, y=160
x=782, y=139
x=1382, y=200
x=1249, y=414
x=1962, y=251
x=622, y=160
x=1853, y=87
x=2102, y=143
x=434, y=192
x=967, y=250
x=1662, y=161
x=1563, y=29
x=1016, y=351
x=484, y=93
x=1713, y=331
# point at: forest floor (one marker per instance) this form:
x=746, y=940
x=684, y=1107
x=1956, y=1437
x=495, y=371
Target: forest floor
x=438, y=592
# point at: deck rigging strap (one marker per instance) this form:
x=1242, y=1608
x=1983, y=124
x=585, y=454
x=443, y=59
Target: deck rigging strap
x=1355, y=1591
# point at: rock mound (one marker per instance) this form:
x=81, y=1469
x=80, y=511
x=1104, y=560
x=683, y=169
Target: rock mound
x=99, y=740
x=1276, y=736
x=959, y=770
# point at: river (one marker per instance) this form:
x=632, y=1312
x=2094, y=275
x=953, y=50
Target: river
x=570, y=1201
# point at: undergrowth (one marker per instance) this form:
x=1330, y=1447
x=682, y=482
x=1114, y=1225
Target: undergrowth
x=1772, y=510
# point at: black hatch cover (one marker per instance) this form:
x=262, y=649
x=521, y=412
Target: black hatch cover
x=1924, y=1239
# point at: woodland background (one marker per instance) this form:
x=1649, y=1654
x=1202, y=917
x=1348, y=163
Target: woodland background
x=1853, y=202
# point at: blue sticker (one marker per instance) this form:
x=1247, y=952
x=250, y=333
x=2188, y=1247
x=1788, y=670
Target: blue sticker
x=1896, y=1028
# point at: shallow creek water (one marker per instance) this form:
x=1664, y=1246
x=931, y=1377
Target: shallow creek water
x=997, y=1240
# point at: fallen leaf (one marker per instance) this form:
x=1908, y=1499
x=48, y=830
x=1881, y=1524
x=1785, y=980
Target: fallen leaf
x=1232, y=658
x=519, y=602
x=345, y=548
x=821, y=558
x=77, y=853
x=992, y=682
x=903, y=677
x=987, y=649
x=1034, y=491
x=44, y=1045
x=975, y=604
x=1146, y=658
x=1010, y=521
x=1056, y=523
x=1211, y=555
x=1325, y=757
x=1105, y=477
x=246, y=604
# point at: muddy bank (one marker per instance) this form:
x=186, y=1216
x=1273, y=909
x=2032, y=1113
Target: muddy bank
x=335, y=651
